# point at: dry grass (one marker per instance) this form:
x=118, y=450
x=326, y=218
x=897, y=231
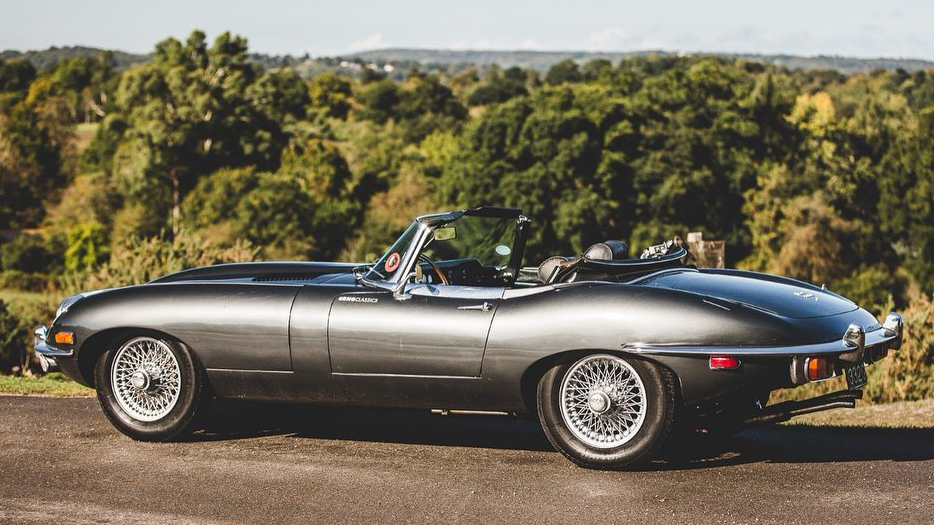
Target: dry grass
x=901, y=414
x=54, y=385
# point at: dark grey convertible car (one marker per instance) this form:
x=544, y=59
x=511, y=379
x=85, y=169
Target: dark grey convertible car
x=613, y=354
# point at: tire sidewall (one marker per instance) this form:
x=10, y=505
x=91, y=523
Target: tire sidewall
x=639, y=448
x=172, y=423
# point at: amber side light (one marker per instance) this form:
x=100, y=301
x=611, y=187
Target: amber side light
x=65, y=338
x=820, y=369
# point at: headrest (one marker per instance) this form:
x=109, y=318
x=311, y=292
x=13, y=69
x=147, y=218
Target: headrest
x=548, y=267
x=607, y=251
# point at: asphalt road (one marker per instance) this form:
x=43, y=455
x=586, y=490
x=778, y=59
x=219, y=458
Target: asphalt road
x=62, y=462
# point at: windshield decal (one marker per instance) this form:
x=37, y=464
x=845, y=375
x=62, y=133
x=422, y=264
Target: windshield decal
x=392, y=262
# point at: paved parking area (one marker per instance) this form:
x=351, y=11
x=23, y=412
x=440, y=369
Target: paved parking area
x=62, y=462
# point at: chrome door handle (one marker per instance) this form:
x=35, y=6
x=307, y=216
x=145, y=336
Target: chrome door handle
x=486, y=306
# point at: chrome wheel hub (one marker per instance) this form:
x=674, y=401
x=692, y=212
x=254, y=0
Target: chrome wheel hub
x=146, y=379
x=603, y=401
x=599, y=402
x=140, y=380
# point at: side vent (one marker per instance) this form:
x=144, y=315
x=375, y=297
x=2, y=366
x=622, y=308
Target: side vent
x=286, y=277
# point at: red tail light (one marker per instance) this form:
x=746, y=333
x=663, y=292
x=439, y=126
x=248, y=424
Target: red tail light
x=724, y=362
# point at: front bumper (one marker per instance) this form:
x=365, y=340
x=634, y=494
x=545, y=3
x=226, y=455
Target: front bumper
x=48, y=356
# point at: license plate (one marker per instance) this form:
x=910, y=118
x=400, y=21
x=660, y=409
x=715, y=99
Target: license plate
x=855, y=376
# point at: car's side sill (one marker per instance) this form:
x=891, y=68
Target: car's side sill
x=237, y=370
x=406, y=376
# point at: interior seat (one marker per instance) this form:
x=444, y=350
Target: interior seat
x=607, y=251
x=611, y=250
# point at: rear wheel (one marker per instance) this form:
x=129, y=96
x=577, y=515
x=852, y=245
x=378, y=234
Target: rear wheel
x=605, y=411
x=151, y=389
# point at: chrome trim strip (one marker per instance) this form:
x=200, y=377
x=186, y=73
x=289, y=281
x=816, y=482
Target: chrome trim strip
x=410, y=376
x=872, y=339
x=251, y=371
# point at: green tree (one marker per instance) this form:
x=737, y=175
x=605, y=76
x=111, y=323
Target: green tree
x=563, y=72
x=379, y=100
x=331, y=95
x=16, y=75
x=194, y=109
x=906, y=206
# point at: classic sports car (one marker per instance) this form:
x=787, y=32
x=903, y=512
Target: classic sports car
x=613, y=354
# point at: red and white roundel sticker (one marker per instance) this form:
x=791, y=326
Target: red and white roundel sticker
x=392, y=262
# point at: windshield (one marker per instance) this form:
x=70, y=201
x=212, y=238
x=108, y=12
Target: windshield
x=391, y=262
x=487, y=239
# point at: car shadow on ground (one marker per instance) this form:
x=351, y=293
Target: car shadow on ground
x=234, y=420
x=775, y=444
x=802, y=444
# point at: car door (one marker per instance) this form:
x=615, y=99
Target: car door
x=432, y=330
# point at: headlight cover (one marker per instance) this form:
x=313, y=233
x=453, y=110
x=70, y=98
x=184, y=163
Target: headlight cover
x=66, y=304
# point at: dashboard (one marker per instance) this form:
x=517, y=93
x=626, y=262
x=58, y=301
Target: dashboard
x=464, y=272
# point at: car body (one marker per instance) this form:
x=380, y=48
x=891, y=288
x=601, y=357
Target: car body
x=478, y=332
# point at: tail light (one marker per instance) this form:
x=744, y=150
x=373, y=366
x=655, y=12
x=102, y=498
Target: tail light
x=724, y=362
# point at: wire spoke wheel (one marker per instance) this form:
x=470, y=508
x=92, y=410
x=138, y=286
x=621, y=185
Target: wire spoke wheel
x=146, y=379
x=603, y=401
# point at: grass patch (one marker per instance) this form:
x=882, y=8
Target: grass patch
x=54, y=384
x=84, y=134
x=901, y=414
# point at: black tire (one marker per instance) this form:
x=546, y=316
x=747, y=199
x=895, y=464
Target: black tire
x=193, y=401
x=661, y=412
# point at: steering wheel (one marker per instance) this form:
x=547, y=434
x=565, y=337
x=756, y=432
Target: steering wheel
x=440, y=274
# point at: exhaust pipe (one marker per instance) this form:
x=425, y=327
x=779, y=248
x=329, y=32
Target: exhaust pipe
x=781, y=412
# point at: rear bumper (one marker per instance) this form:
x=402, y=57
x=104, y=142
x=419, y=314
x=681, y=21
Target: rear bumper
x=767, y=368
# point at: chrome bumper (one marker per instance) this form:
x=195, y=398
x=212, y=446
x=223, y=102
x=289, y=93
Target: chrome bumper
x=46, y=354
x=856, y=345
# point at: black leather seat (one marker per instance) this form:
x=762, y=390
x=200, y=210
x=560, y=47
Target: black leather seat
x=611, y=250
x=607, y=251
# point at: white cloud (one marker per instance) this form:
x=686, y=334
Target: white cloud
x=374, y=41
x=615, y=39
x=500, y=44
x=609, y=39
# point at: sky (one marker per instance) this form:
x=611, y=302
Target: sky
x=857, y=28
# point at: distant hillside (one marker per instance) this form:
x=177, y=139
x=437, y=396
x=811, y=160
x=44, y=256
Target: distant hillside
x=435, y=59
x=542, y=60
x=53, y=55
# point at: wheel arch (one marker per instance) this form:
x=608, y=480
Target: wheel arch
x=98, y=343
x=534, y=372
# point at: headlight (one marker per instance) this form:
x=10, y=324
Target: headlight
x=66, y=304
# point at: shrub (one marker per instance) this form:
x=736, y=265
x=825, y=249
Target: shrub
x=12, y=337
x=141, y=260
x=87, y=246
x=18, y=280
x=26, y=253
x=908, y=373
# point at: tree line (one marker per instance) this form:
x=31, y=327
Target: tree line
x=812, y=174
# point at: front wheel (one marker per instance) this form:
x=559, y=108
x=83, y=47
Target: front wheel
x=605, y=411
x=151, y=389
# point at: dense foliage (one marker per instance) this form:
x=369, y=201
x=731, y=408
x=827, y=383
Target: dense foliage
x=200, y=155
